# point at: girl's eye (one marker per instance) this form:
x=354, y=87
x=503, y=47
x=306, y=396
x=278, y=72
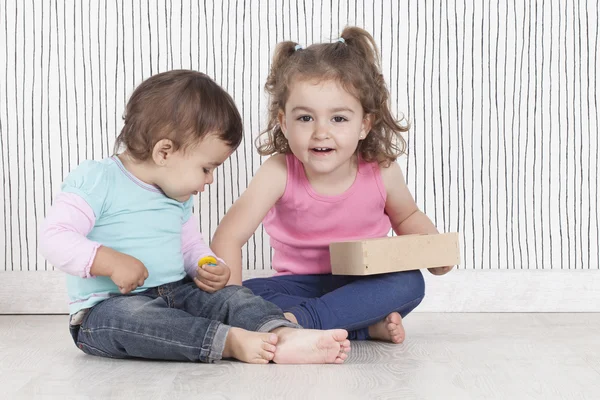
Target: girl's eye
x=339, y=119
x=305, y=118
x=206, y=170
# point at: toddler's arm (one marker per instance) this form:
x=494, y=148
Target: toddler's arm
x=62, y=236
x=193, y=246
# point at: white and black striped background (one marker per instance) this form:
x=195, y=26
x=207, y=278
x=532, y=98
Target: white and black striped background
x=502, y=96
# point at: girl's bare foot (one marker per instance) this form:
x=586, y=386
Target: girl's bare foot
x=390, y=329
x=290, y=317
x=250, y=347
x=309, y=346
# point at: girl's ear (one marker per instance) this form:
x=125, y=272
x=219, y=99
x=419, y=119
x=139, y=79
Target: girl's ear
x=366, y=125
x=282, y=123
x=162, y=152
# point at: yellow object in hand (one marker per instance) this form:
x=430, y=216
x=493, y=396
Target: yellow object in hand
x=207, y=260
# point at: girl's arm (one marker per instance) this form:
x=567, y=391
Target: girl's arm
x=400, y=206
x=405, y=216
x=246, y=214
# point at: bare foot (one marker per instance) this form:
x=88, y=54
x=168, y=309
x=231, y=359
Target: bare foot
x=390, y=329
x=290, y=317
x=250, y=347
x=309, y=346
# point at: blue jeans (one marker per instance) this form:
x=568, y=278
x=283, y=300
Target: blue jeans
x=349, y=302
x=176, y=321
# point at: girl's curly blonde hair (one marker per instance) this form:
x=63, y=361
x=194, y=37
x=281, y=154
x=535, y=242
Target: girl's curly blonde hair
x=354, y=63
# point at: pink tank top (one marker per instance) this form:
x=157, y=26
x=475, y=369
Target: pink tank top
x=303, y=223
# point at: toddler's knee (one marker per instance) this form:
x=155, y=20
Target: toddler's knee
x=234, y=289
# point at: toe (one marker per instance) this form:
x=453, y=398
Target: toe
x=339, y=360
x=269, y=347
x=271, y=339
x=266, y=355
x=394, y=318
x=339, y=335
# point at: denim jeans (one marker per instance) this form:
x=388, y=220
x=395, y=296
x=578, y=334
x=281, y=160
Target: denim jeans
x=176, y=321
x=348, y=302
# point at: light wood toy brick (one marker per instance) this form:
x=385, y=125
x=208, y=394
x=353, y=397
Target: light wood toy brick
x=393, y=254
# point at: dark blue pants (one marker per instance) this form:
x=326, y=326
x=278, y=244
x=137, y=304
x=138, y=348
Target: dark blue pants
x=349, y=302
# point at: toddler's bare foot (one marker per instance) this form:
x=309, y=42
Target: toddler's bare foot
x=309, y=346
x=390, y=329
x=250, y=347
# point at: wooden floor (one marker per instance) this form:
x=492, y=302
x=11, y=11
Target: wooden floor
x=445, y=356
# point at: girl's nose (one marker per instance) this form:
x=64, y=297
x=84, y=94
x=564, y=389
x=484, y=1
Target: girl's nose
x=321, y=131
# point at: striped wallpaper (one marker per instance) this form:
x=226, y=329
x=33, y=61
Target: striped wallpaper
x=502, y=97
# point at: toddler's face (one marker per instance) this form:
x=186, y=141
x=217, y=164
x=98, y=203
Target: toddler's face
x=188, y=172
x=323, y=124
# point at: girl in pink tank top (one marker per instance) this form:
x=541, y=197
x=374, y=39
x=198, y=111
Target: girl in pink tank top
x=332, y=176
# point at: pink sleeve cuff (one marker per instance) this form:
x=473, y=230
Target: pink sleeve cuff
x=88, y=267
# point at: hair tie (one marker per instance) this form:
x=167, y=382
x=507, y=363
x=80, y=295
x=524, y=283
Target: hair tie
x=341, y=40
x=298, y=47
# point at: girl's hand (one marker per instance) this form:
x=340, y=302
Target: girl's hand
x=211, y=278
x=440, y=270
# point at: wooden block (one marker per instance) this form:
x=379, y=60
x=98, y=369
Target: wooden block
x=393, y=254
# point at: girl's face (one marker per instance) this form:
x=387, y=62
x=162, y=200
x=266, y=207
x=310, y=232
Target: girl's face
x=323, y=124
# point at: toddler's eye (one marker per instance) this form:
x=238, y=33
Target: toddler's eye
x=206, y=170
x=305, y=118
x=339, y=119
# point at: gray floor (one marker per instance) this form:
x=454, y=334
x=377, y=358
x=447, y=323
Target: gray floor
x=445, y=356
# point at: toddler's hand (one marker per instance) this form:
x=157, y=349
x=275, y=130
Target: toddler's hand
x=440, y=270
x=211, y=278
x=129, y=273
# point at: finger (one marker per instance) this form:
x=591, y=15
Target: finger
x=145, y=274
x=203, y=286
x=203, y=280
x=208, y=276
x=214, y=269
x=213, y=284
x=441, y=270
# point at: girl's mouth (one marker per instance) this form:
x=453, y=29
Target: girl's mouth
x=321, y=150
